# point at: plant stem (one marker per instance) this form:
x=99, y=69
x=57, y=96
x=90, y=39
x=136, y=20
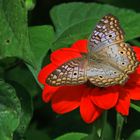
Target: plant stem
x=104, y=121
x=119, y=126
x=98, y=129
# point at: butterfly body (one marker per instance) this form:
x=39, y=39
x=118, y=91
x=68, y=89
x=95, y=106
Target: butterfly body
x=108, y=62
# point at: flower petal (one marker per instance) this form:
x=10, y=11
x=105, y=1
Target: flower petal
x=105, y=98
x=67, y=98
x=43, y=74
x=63, y=55
x=123, y=103
x=133, y=85
x=48, y=92
x=89, y=112
x=134, y=78
x=81, y=46
x=137, y=50
x=134, y=93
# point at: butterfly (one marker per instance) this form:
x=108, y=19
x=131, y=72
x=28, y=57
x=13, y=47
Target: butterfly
x=108, y=62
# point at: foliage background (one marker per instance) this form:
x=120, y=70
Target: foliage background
x=30, y=31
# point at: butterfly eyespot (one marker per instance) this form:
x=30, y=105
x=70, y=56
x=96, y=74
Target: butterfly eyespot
x=122, y=63
x=101, y=77
x=121, y=52
x=115, y=72
x=110, y=36
x=75, y=73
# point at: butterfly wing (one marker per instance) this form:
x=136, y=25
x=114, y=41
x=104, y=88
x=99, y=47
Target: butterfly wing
x=106, y=32
x=107, y=46
x=72, y=72
x=120, y=56
x=103, y=74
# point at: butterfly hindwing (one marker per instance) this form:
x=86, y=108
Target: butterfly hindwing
x=103, y=74
x=120, y=56
x=72, y=72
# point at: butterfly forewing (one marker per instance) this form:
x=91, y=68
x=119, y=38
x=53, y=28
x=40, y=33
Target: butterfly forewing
x=72, y=72
x=106, y=32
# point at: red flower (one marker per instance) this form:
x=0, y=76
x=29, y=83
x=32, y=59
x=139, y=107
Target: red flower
x=91, y=101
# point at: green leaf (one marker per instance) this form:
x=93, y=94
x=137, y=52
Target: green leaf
x=21, y=75
x=107, y=133
x=75, y=21
x=93, y=136
x=14, y=40
x=135, y=42
x=135, y=135
x=119, y=126
x=26, y=110
x=136, y=107
x=101, y=129
x=10, y=110
x=70, y=136
x=41, y=38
